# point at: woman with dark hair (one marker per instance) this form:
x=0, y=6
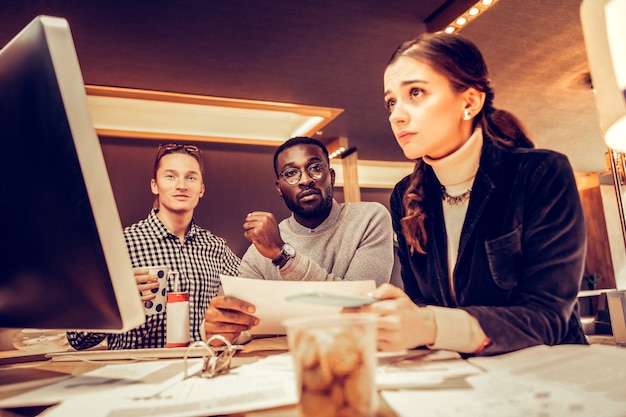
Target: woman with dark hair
x=491, y=232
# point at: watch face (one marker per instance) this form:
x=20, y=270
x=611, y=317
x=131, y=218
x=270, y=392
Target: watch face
x=289, y=250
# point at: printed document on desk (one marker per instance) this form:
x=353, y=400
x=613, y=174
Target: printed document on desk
x=551, y=381
x=421, y=369
x=134, y=379
x=267, y=383
x=268, y=297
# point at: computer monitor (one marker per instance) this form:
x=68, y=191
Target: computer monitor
x=64, y=262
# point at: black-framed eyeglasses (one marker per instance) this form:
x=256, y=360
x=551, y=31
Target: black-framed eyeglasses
x=316, y=171
x=173, y=147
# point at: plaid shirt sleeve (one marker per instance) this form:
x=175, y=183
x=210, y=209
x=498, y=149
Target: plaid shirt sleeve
x=84, y=340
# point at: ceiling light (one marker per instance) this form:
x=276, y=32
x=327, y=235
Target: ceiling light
x=337, y=152
x=466, y=17
x=604, y=34
x=132, y=113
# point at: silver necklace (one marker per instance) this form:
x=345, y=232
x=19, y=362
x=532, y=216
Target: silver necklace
x=455, y=200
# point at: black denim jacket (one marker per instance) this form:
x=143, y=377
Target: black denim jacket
x=521, y=252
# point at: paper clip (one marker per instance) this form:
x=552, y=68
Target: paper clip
x=215, y=362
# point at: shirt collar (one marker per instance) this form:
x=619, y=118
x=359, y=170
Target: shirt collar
x=163, y=232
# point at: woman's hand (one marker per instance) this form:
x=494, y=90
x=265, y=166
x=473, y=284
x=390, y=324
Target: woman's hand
x=401, y=323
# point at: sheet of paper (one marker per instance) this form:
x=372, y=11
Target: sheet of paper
x=23, y=378
x=269, y=298
x=263, y=384
x=494, y=395
x=421, y=369
x=266, y=383
x=406, y=369
x=581, y=369
x=565, y=380
x=133, y=379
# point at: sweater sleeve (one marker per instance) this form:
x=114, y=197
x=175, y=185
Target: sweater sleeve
x=254, y=265
x=372, y=258
x=360, y=248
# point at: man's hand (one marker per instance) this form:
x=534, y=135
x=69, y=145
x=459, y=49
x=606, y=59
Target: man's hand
x=229, y=316
x=146, y=282
x=261, y=229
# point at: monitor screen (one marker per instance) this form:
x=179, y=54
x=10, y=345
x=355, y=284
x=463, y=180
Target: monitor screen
x=64, y=261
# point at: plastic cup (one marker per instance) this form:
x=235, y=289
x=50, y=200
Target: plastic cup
x=334, y=358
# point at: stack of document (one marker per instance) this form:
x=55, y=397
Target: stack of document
x=564, y=380
x=137, y=389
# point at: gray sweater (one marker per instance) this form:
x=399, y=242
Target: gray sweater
x=354, y=243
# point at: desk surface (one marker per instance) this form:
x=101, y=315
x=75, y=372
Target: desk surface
x=253, y=351
x=541, y=380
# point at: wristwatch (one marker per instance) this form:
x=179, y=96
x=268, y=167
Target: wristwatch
x=286, y=253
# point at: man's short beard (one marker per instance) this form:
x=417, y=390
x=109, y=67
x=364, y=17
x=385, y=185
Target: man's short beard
x=312, y=212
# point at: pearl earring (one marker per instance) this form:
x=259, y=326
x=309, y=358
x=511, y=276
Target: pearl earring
x=467, y=115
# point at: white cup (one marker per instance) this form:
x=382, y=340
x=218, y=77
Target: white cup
x=156, y=305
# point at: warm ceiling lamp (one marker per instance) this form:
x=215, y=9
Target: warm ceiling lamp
x=337, y=152
x=604, y=32
x=469, y=15
x=132, y=113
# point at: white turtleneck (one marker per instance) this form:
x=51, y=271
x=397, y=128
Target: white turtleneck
x=456, y=173
x=456, y=329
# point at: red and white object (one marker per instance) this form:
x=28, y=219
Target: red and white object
x=177, y=330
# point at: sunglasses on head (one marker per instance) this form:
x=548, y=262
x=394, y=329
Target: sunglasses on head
x=173, y=147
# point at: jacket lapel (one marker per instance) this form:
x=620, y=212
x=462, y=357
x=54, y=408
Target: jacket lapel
x=482, y=189
x=438, y=241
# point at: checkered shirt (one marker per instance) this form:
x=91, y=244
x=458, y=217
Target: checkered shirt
x=199, y=260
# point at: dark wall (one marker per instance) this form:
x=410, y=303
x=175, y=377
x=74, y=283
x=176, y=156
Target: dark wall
x=322, y=53
x=238, y=179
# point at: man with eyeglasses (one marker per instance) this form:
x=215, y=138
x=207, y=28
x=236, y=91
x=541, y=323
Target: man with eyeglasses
x=323, y=240
x=169, y=236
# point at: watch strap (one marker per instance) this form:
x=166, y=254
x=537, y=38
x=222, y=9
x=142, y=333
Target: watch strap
x=282, y=259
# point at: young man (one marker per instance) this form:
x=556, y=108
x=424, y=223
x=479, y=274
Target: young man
x=322, y=240
x=169, y=236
